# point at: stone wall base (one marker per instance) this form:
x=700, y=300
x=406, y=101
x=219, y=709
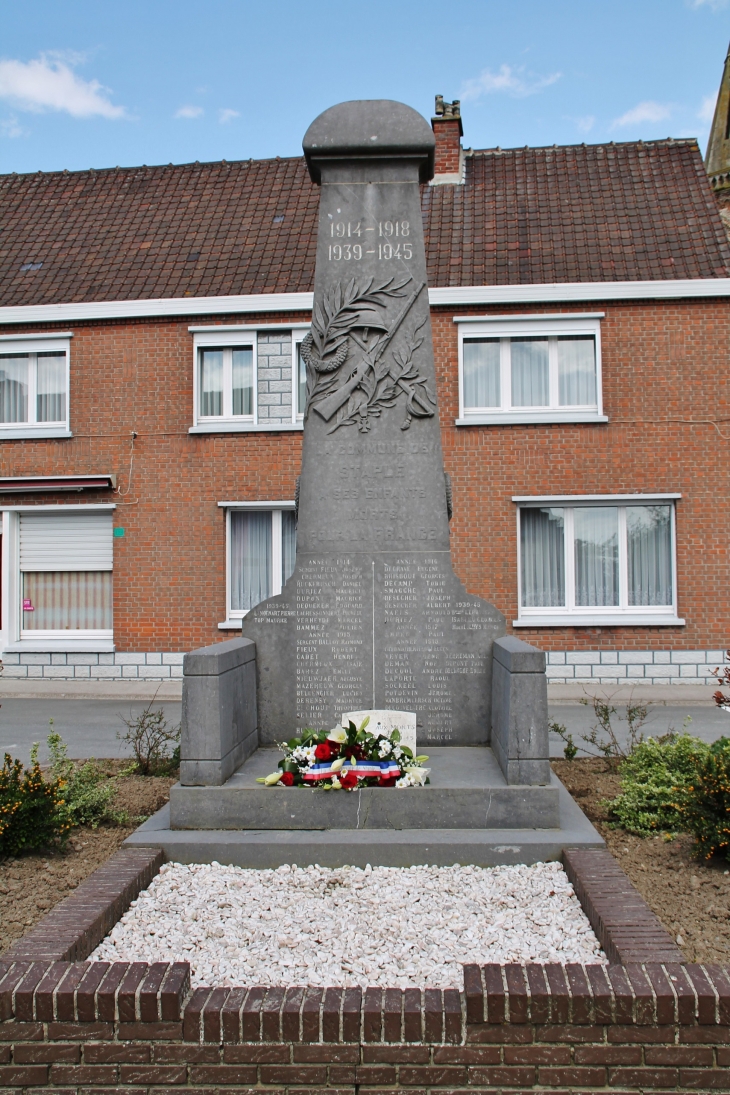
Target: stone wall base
x=633, y=666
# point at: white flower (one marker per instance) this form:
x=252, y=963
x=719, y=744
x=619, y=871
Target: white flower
x=384, y=748
x=338, y=734
x=336, y=785
x=397, y=752
x=418, y=775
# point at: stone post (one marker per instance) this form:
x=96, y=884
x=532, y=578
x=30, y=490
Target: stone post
x=219, y=717
x=519, y=712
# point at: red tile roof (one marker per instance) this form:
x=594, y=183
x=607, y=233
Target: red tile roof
x=578, y=213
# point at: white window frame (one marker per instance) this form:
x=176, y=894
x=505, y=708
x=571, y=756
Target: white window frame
x=12, y=637
x=297, y=338
x=234, y=618
x=539, y=325
x=228, y=337
x=56, y=342
x=622, y=615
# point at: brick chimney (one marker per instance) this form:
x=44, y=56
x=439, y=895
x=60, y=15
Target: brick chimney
x=448, y=131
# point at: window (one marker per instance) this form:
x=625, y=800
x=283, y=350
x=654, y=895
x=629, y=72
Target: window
x=58, y=584
x=529, y=369
x=34, y=387
x=225, y=382
x=597, y=560
x=261, y=542
x=247, y=378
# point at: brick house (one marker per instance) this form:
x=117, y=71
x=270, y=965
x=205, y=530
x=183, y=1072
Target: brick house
x=151, y=402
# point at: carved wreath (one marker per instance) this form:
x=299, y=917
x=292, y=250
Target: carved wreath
x=325, y=350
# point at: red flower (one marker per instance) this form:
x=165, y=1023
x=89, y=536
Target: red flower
x=287, y=779
x=348, y=780
x=387, y=781
x=323, y=751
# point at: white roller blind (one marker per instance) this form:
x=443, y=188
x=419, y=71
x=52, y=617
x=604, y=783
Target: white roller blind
x=60, y=541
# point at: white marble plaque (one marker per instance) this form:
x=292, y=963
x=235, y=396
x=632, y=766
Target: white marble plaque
x=404, y=721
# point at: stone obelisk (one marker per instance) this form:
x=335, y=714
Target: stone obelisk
x=373, y=616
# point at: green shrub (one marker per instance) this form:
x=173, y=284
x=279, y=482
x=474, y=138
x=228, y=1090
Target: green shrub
x=656, y=779
x=87, y=792
x=31, y=815
x=705, y=806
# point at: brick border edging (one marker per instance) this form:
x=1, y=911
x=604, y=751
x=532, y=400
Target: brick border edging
x=76, y=926
x=154, y=1001
x=626, y=927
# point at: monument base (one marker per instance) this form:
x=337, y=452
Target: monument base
x=481, y=820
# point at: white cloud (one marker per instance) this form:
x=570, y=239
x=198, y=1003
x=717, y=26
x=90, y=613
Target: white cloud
x=49, y=83
x=713, y=5
x=707, y=111
x=227, y=115
x=9, y=127
x=586, y=123
x=189, y=112
x=513, y=81
x=648, y=111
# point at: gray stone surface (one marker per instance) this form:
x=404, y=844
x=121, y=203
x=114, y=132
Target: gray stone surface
x=379, y=847
x=520, y=712
x=467, y=791
x=219, y=720
x=373, y=616
x=518, y=656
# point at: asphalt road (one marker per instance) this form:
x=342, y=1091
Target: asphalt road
x=90, y=726
x=707, y=721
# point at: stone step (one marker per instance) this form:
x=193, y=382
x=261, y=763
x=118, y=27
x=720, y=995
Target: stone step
x=379, y=847
x=467, y=791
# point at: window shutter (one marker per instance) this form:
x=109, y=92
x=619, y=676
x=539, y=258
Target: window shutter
x=65, y=541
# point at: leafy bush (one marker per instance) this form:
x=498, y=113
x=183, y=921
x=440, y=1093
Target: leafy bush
x=87, y=792
x=656, y=779
x=31, y=814
x=150, y=738
x=705, y=807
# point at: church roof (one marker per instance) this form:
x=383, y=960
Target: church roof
x=579, y=213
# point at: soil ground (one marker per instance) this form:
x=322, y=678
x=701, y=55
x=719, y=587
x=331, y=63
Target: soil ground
x=33, y=884
x=691, y=897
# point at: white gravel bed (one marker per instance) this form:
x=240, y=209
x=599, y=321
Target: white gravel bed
x=388, y=926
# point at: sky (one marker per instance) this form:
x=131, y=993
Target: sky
x=99, y=84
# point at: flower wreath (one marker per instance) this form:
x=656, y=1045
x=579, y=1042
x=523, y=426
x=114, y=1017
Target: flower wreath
x=348, y=757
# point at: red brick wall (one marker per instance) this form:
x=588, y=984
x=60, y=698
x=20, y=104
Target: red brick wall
x=665, y=371
x=169, y=568
x=665, y=368
x=447, y=132
x=549, y=1028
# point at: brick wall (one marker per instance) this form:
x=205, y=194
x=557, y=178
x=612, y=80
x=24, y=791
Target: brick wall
x=131, y=1027
x=664, y=384
x=447, y=132
x=664, y=365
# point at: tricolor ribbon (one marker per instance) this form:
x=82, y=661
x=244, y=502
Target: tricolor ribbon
x=364, y=769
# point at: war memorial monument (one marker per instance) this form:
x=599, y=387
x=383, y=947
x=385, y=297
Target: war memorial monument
x=373, y=616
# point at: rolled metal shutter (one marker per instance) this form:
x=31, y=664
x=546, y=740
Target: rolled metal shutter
x=65, y=541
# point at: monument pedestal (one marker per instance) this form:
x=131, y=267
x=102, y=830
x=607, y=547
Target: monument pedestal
x=469, y=814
